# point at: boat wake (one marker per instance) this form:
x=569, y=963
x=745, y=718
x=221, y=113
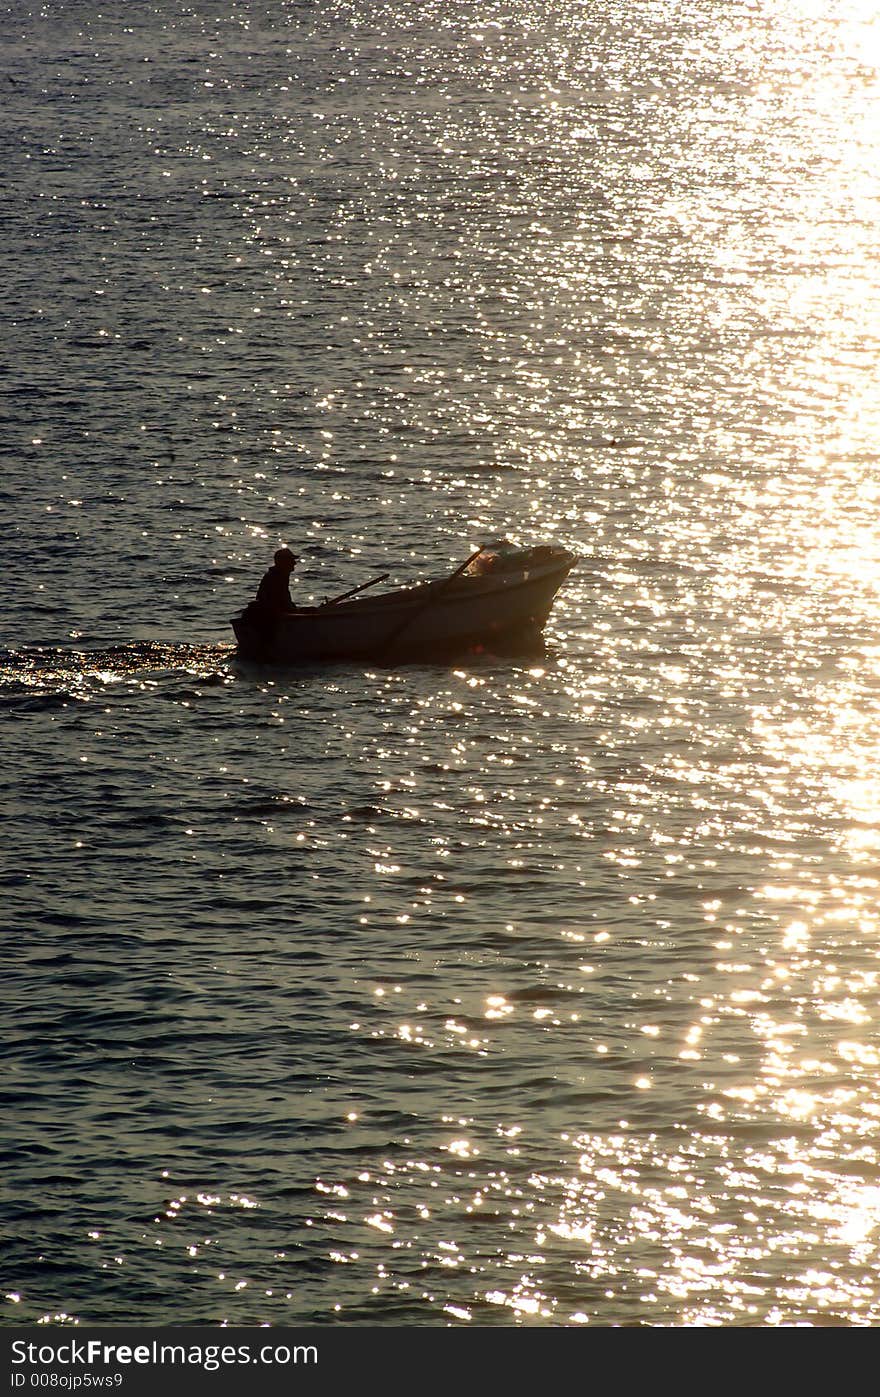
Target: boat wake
x=34, y=676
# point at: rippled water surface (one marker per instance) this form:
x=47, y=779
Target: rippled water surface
x=530, y=991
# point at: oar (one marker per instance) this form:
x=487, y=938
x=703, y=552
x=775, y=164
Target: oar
x=432, y=596
x=362, y=588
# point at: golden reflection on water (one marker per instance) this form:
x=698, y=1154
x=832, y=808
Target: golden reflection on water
x=768, y=1209
x=811, y=995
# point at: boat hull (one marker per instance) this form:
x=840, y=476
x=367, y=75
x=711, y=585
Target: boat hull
x=433, y=620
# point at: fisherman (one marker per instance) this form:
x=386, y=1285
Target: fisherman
x=273, y=593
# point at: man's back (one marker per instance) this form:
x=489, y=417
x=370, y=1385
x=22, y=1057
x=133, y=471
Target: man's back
x=274, y=590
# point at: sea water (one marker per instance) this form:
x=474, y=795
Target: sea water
x=536, y=991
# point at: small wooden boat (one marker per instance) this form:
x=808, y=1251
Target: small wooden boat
x=498, y=600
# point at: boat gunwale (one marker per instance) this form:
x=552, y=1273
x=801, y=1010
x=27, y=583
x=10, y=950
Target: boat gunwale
x=417, y=596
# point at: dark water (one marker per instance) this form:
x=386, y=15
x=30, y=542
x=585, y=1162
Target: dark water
x=536, y=991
